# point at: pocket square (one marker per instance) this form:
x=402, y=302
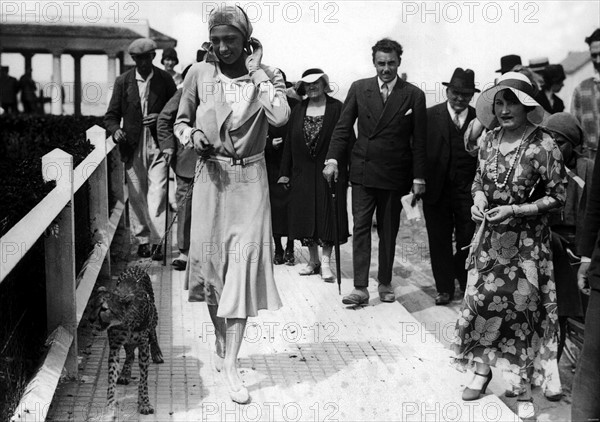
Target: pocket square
x=408, y=112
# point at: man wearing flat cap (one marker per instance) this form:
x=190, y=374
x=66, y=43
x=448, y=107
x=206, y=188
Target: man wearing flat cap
x=449, y=176
x=585, y=104
x=138, y=97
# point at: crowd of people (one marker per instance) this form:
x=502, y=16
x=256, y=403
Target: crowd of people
x=505, y=186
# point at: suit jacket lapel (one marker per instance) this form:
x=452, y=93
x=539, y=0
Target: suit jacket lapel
x=328, y=122
x=373, y=96
x=446, y=121
x=154, y=87
x=133, y=94
x=392, y=106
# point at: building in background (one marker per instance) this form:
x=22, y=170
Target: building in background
x=77, y=39
x=578, y=66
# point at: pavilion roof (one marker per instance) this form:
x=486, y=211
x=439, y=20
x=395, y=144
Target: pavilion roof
x=85, y=39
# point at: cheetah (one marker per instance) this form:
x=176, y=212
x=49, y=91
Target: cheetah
x=129, y=315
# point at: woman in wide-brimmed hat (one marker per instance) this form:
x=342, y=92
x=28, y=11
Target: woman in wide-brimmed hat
x=508, y=316
x=309, y=134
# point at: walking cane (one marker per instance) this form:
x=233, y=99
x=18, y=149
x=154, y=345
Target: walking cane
x=336, y=231
x=166, y=214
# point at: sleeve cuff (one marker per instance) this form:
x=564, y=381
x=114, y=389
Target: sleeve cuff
x=259, y=77
x=331, y=161
x=419, y=181
x=585, y=259
x=184, y=135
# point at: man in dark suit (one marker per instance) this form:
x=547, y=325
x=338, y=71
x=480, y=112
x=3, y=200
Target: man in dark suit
x=450, y=173
x=387, y=160
x=183, y=162
x=138, y=97
x=586, y=385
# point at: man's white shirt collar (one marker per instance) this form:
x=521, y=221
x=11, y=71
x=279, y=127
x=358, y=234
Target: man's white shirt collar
x=390, y=85
x=462, y=116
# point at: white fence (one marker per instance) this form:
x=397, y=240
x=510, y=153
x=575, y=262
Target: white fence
x=67, y=293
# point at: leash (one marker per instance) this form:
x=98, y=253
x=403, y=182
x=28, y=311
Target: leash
x=184, y=200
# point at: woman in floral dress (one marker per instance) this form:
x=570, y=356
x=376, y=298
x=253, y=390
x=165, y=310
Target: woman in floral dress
x=508, y=317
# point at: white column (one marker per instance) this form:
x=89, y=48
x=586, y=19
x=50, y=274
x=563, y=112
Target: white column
x=57, y=97
x=111, y=74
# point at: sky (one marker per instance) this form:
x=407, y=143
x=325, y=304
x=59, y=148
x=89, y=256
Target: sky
x=337, y=36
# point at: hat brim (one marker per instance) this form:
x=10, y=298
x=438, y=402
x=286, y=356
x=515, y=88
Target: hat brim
x=461, y=89
x=484, y=106
x=309, y=79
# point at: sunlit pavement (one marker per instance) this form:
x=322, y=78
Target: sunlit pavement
x=315, y=359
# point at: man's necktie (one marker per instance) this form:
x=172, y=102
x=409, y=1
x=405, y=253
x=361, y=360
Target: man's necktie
x=385, y=92
x=456, y=121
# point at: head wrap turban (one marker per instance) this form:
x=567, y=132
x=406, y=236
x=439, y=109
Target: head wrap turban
x=227, y=14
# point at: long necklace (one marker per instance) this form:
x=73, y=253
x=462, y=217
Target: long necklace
x=514, y=160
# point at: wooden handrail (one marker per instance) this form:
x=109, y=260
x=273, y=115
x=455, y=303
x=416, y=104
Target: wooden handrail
x=67, y=294
x=23, y=235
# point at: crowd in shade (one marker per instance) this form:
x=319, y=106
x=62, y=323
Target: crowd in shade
x=509, y=191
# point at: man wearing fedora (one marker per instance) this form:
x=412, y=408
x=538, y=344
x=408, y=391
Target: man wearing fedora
x=450, y=173
x=387, y=161
x=507, y=63
x=585, y=104
x=138, y=97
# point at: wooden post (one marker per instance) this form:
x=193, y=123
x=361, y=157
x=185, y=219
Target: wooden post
x=98, y=182
x=117, y=185
x=60, y=256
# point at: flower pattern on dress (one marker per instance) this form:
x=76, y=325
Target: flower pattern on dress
x=508, y=316
x=312, y=131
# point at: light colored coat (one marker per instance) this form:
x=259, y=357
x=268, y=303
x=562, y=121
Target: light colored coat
x=231, y=249
x=203, y=106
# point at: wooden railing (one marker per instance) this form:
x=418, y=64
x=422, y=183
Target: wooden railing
x=67, y=293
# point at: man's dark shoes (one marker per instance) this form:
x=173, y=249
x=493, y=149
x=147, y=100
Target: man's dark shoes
x=144, y=251
x=179, y=264
x=442, y=299
x=386, y=293
x=357, y=297
x=288, y=257
x=157, y=254
x=278, y=258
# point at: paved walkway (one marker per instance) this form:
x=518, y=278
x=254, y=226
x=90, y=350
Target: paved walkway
x=315, y=359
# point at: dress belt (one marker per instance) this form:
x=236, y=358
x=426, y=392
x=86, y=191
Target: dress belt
x=237, y=161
